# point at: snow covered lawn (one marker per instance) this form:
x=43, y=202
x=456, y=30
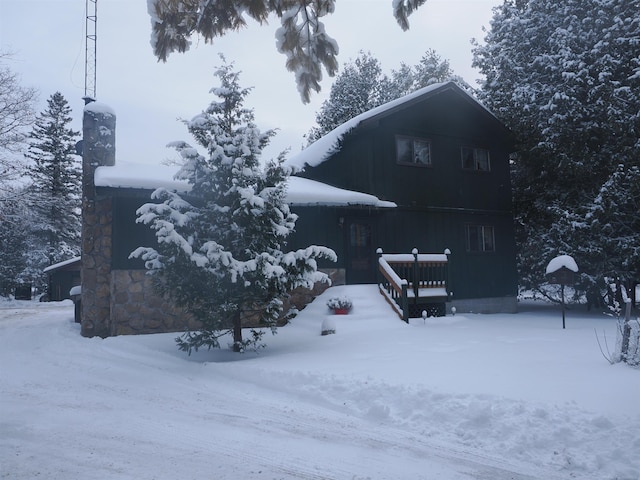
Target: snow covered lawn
x=465, y=397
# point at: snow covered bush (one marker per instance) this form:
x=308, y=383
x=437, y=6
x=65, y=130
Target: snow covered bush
x=627, y=348
x=220, y=248
x=339, y=303
x=328, y=326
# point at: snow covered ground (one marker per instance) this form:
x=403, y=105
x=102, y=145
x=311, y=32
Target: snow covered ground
x=462, y=397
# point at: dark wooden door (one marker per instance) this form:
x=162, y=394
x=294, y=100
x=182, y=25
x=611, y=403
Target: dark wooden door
x=361, y=258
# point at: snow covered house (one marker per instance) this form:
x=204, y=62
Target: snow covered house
x=438, y=161
x=428, y=171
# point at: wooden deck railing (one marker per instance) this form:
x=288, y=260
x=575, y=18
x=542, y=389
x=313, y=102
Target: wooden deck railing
x=413, y=279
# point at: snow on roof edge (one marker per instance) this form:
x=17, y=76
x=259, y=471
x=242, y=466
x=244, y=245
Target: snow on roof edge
x=61, y=264
x=305, y=192
x=132, y=175
x=300, y=191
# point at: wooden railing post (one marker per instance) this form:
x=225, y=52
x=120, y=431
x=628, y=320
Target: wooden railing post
x=405, y=303
x=447, y=252
x=416, y=276
x=379, y=275
x=429, y=274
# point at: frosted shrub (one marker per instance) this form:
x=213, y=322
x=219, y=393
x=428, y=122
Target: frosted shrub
x=328, y=326
x=339, y=303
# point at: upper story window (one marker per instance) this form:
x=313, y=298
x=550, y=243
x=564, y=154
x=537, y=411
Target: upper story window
x=413, y=151
x=475, y=159
x=480, y=238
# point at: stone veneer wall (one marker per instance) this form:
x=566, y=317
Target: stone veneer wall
x=136, y=307
x=301, y=297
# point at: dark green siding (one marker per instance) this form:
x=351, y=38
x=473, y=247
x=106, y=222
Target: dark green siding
x=436, y=202
x=472, y=275
x=127, y=234
x=319, y=226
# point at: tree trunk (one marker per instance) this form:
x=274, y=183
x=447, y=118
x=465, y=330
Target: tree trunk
x=626, y=332
x=237, y=332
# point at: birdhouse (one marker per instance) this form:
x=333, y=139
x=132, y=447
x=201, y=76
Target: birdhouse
x=562, y=270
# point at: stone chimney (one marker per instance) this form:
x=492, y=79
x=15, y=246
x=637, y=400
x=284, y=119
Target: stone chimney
x=98, y=149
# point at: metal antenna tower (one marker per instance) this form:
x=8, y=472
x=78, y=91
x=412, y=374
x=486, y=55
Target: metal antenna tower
x=90, y=57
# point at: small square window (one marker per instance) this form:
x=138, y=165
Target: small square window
x=413, y=151
x=360, y=235
x=475, y=159
x=480, y=238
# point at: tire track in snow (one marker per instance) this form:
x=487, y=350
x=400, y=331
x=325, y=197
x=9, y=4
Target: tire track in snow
x=298, y=420
x=224, y=422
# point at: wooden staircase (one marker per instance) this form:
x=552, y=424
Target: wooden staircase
x=413, y=283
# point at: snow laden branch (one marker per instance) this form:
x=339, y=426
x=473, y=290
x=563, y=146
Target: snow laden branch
x=220, y=252
x=564, y=78
x=301, y=37
x=16, y=115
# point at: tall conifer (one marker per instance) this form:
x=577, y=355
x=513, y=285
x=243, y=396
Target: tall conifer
x=55, y=191
x=220, y=248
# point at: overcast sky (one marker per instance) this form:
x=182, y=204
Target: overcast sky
x=48, y=41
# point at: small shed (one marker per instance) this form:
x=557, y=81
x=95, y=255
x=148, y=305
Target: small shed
x=63, y=277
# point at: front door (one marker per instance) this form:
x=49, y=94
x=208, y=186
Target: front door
x=361, y=258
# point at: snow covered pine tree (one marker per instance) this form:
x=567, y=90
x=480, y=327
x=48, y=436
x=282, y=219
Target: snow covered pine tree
x=219, y=254
x=361, y=86
x=565, y=78
x=55, y=193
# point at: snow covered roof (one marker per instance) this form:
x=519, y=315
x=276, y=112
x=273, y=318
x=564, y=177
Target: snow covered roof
x=132, y=175
x=65, y=263
x=562, y=261
x=324, y=147
x=300, y=191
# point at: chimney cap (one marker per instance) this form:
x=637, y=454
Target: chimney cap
x=99, y=107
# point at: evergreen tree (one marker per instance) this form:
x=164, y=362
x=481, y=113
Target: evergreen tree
x=14, y=240
x=565, y=78
x=55, y=193
x=220, y=249
x=357, y=88
x=301, y=38
x=611, y=227
x=362, y=86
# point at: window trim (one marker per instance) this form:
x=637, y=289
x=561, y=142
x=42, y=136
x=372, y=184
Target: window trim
x=413, y=139
x=481, y=236
x=475, y=150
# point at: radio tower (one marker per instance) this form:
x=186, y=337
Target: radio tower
x=90, y=60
